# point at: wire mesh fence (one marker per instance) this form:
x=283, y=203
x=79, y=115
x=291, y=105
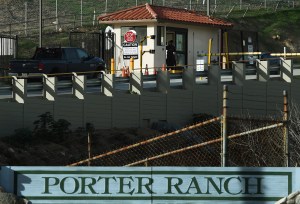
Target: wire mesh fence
x=255, y=142
x=21, y=17
x=251, y=142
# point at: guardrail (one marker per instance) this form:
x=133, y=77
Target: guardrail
x=26, y=85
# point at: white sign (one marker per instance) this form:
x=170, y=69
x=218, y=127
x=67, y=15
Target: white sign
x=250, y=58
x=7, y=46
x=151, y=185
x=130, y=50
x=200, y=65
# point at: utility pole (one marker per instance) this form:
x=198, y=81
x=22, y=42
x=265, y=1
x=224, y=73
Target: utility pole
x=81, y=13
x=208, y=7
x=56, y=16
x=265, y=4
x=25, y=31
x=94, y=17
x=41, y=24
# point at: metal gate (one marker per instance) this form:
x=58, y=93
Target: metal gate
x=98, y=44
x=8, y=50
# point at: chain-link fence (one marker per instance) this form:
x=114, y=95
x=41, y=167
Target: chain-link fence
x=221, y=141
x=21, y=17
x=251, y=142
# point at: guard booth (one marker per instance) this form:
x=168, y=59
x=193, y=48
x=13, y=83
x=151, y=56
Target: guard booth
x=189, y=30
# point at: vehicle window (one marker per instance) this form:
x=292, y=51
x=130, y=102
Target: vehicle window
x=71, y=54
x=54, y=53
x=82, y=54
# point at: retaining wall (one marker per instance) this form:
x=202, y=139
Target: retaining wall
x=140, y=107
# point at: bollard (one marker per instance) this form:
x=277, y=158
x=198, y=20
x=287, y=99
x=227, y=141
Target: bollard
x=146, y=70
x=163, y=68
x=131, y=64
x=123, y=71
x=112, y=66
x=127, y=71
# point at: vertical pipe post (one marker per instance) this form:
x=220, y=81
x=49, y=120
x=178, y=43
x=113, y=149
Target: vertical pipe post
x=226, y=49
x=41, y=24
x=16, y=47
x=89, y=148
x=26, y=10
x=56, y=16
x=94, y=17
x=209, y=51
x=141, y=52
x=112, y=66
x=265, y=4
x=224, y=127
x=286, y=130
x=141, y=55
x=131, y=64
x=81, y=13
x=208, y=7
x=105, y=6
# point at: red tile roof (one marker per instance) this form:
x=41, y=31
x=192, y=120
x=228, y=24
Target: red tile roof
x=162, y=13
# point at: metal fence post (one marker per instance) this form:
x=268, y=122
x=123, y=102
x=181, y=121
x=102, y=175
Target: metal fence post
x=224, y=127
x=89, y=148
x=286, y=129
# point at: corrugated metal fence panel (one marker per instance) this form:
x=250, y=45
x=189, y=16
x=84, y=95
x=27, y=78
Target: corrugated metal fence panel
x=235, y=100
x=205, y=99
x=11, y=117
x=295, y=91
x=70, y=109
x=98, y=110
x=179, y=106
x=153, y=106
x=33, y=108
x=126, y=110
x=254, y=98
x=275, y=96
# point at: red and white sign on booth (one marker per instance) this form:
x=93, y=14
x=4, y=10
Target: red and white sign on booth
x=130, y=47
x=130, y=36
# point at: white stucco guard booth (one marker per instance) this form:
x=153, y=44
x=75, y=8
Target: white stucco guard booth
x=189, y=30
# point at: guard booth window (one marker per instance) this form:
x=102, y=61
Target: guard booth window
x=160, y=35
x=141, y=32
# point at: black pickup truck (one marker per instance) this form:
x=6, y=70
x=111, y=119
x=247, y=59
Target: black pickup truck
x=57, y=61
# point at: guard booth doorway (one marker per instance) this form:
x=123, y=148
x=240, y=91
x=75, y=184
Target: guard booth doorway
x=179, y=37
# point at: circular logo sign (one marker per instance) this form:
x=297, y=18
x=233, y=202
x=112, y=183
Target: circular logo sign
x=130, y=36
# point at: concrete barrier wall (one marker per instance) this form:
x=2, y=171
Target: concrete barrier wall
x=139, y=107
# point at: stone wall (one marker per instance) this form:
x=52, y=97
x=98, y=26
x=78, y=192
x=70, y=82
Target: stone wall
x=9, y=198
x=293, y=198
